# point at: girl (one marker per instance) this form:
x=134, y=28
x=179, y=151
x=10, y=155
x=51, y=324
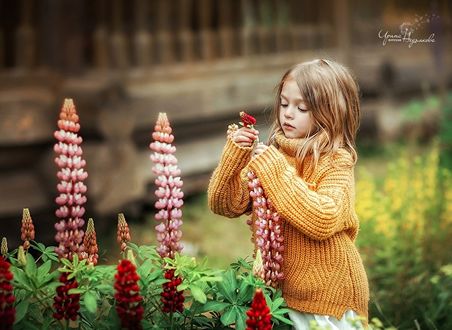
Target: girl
x=307, y=171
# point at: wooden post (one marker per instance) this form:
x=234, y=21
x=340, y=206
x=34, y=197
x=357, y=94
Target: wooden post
x=164, y=36
x=142, y=38
x=265, y=23
x=342, y=21
x=206, y=34
x=225, y=30
x=101, y=58
x=25, y=37
x=282, y=25
x=118, y=39
x=185, y=34
x=248, y=32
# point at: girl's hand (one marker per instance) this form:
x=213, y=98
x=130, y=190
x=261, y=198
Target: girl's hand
x=260, y=148
x=245, y=136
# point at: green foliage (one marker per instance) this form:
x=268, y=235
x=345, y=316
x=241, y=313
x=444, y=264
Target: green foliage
x=405, y=230
x=214, y=298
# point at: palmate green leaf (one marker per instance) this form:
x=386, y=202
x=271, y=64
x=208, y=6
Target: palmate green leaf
x=229, y=316
x=228, y=287
x=44, y=268
x=240, y=321
x=245, y=293
x=282, y=319
x=90, y=302
x=197, y=293
x=30, y=267
x=21, y=310
x=214, y=306
x=20, y=279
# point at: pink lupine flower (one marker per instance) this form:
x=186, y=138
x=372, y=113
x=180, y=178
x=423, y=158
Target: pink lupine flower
x=27, y=229
x=71, y=187
x=267, y=233
x=169, y=193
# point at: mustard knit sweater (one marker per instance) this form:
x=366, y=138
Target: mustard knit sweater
x=323, y=270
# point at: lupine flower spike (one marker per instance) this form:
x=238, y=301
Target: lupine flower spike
x=123, y=236
x=90, y=243
x=266, y=229
x=66, y=305
x=27, y=229
x=169, y=193
x=7, y=310
x=71, y=188
x=172, y=299
x=4, y=249
x=259, y=317
x=128, y=300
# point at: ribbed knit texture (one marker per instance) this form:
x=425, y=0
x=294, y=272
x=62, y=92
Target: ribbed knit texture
x=324, y=273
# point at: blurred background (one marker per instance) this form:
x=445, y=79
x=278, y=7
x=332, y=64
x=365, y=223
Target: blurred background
x=203, y=61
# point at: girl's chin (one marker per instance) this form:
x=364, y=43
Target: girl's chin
x=292, y=134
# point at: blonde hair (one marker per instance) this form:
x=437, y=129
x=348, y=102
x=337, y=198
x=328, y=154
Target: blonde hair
x=331, y=95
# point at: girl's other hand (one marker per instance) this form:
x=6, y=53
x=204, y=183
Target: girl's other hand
x=260, y=148
x=245, y=136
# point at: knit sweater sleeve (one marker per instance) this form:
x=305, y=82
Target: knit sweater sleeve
x=318, y=214
x=228, y=187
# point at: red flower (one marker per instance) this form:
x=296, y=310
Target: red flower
x=259, y=317
x=128, y=299
x=247, y=120
x=66, y=305
x=172, y=299
x=7, y=311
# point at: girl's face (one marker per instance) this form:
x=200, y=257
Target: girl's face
x=295, y=119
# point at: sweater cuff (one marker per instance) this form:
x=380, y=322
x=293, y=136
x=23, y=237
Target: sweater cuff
x=269, y=163
x=235, y=154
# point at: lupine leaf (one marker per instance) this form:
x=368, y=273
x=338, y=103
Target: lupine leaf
x=198, y=294
x=229, y=315
x=21, y=310
x=90, y=302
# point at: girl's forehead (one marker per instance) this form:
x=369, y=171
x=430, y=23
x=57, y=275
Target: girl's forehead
x=290, y=90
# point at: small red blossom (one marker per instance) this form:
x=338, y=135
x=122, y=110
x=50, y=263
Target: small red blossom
x=172, y=299
x=128, y=298
x=259, y=317
x=66, y=305
x=247, y=119
x=7, y=310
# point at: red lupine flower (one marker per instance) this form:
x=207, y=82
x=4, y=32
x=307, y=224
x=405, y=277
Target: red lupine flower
x=172, y=299
x=128, y=299
x=90, y=243
x=7, y=310
x=27, y=229
x=123, y=234
x=247, y=119
x=169, y=193
x=259, y=317
x=71, y=187
x=66, y=305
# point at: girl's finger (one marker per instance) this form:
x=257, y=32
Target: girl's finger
x=251, y=135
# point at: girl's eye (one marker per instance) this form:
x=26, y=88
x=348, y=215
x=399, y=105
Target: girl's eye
x=284, y=105
x=302, y=110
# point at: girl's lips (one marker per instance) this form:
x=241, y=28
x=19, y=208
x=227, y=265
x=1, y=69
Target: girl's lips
x=288, y=126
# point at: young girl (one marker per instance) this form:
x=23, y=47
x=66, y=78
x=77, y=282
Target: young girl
x=307, y=172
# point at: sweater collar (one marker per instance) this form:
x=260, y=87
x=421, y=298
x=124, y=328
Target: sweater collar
x=287, y=145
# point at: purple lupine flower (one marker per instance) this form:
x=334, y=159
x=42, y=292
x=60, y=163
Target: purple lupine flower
x=267, y=233
x=71, y=187
x=169, y=193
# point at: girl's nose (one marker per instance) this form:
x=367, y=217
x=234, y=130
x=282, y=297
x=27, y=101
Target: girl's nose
x=288, y=113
